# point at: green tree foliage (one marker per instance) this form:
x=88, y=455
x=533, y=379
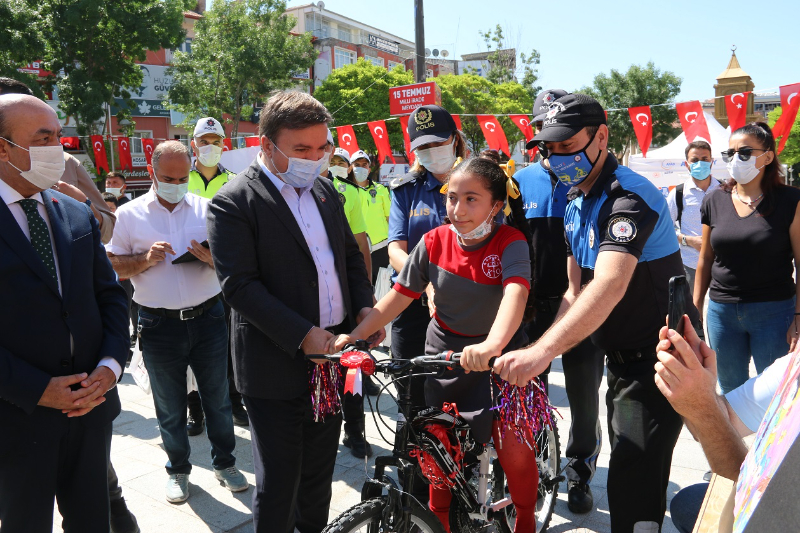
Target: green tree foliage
x=503, y=66
x=791, y=151
x=241, y=52
x=21, y=40
x=637, y=87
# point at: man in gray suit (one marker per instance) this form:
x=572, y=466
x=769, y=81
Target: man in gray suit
x=293, y=275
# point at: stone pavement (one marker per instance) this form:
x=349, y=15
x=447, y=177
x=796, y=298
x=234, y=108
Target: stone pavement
x=139, y=461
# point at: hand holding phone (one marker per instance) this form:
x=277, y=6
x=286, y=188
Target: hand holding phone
x=678, y=298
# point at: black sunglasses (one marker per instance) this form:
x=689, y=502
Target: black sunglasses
x=744, y=153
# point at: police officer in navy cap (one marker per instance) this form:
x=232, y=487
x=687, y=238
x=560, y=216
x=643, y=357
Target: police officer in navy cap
x=545, y=201
x=622, y=252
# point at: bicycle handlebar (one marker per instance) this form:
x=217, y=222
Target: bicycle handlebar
x=369, y=365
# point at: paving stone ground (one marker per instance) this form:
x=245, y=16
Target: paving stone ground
x=139, y=459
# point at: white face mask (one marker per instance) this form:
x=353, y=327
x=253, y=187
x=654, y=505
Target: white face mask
x=172, y=192
x=482, y=230
x=47, y=165
x=361, y=174
x=209, y=155
x=744, y=171
x=116, y=191
x=338, y=172
x=301, y=172
x=438, y=160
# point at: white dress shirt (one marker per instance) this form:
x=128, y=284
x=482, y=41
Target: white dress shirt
x=11, y=197
x=305, y=211
x=144, y=221
x=690, y=217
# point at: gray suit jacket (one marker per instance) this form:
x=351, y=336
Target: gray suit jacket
x=269, y=278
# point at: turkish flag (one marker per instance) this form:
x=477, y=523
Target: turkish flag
x=381, y=138
x=148, y=145
x=790, y=102
x=99, y=149
x=736, y=105
x=70, y=143
x=642, y=120
x=407, y=139
x=255, y=140
x=523, y=122
x=226, y=145
x=457, y=120
x=693, y=121
x=124, y=147
x=347, y=139
x=495, y=136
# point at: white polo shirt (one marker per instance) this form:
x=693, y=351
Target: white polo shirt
x=144, y=221
x=690, y=217
x=305, y=211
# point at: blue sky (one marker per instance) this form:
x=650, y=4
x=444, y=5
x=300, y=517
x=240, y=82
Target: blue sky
x=578, y=40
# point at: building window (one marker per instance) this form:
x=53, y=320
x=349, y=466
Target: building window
x=345, y=35
x=186, y=47
x=343, y=56
x=393, y=64
x=136, y=141
x=377, y=61
x=429, y=73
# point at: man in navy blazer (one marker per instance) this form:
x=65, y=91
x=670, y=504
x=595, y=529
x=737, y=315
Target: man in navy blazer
x=63, y=336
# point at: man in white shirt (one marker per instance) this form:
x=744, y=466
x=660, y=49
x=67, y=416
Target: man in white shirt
x=181, y=317
x=686, y=216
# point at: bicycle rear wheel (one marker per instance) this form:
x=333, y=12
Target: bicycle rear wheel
x=368, y=517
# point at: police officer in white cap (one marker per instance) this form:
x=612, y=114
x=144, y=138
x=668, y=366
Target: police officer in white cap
x=208, y=175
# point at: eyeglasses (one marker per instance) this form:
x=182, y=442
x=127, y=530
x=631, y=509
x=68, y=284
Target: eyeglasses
x=744, y=153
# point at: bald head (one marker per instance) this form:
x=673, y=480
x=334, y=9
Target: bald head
x=19, y=110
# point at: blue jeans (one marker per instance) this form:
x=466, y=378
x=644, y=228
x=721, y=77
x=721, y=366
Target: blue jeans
x=169, y=346
x=685, y=506
x=738, y=330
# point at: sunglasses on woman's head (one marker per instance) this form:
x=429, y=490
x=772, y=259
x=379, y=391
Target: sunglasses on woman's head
x=744, y=153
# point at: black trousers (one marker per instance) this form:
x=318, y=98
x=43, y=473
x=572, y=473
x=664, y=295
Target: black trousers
x=44, y=456
x=293, y=459
x=380, y=258
x=644, y=429
x=583, y=372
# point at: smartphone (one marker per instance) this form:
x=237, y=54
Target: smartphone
x=678, y=295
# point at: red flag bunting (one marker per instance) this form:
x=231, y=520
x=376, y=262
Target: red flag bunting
x=254, y=140
x=523, y=122
x=99, y=149
x=693, y=121
x=347, y=139
x=407, y=139
x=148, y=145
x=381, y=138
x=790, y=102
x=457, y=120
x=642, y=120
x=124, y=147
x=736, y=105
x=70, y=143
x=494, y=134
x=226, y=145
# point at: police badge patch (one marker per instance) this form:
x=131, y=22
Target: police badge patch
x=591, y=236
x=342, y=198
x=622, y=229
x=373, y=193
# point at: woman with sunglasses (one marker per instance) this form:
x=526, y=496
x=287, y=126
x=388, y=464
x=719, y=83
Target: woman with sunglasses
x=751, y=233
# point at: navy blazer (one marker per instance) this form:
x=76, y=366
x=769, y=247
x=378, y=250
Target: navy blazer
x=269, y=278
x=36, y=321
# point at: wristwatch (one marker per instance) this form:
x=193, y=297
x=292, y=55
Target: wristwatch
x=683, y=240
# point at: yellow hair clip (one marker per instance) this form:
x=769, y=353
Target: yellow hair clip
x=511, y=191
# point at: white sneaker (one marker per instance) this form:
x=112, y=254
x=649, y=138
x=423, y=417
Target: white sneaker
x=178, y=488
x=232, y=479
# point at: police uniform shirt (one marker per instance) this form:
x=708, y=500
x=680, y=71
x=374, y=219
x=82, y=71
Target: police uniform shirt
x=375, y=206
x=624, y=212
x=545, y=201
x=208, y=188
x=348, y=196
x=418, y=206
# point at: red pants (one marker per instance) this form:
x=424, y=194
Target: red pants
x=519, y=464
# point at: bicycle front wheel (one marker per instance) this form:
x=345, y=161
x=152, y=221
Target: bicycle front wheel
x=368, y=517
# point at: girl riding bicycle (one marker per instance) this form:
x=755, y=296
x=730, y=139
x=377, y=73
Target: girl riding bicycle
x=480, y=270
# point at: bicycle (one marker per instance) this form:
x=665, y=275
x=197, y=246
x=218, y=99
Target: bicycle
x=480, y=495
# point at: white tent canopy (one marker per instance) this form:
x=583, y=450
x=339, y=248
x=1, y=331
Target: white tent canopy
x=666, y=166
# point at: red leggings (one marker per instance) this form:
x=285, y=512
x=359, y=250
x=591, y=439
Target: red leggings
x=519, y=464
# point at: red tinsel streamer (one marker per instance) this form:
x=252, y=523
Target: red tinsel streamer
x=324, y=381
x=523, y=410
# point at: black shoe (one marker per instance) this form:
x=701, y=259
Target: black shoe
x=358, y=445
x=239, y=415
x=195, y=423
x=579, y=497
x=370, y=387
x=122, y=521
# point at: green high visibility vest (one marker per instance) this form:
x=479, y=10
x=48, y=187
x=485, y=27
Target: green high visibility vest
x=198, y=186
x=348, y=195
x=375, y=203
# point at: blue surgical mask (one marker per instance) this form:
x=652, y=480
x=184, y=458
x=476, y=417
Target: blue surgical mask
x=571, y=169
x=700, y=170
x=301, y=172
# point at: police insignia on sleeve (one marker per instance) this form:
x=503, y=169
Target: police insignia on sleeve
x=342, y=198
x=342, y=187
x=591, y=236
x=622, y=229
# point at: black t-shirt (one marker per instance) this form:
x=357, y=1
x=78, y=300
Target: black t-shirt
x=752, y=254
